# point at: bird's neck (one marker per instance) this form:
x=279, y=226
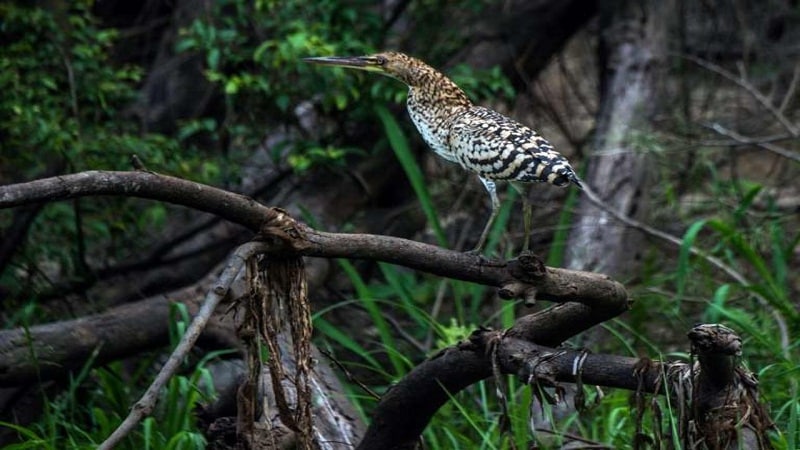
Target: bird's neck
x=432, y=107
x=436, y=92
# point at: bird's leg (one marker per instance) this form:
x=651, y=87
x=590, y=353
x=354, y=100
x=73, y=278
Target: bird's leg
x=527, y=214
x=492, y=189
x=527, y=219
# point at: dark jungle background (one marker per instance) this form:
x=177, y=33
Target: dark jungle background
x=216, y=92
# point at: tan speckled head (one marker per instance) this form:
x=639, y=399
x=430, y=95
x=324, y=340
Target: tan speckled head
x=394, y=64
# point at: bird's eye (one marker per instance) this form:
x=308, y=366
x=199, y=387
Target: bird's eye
x=381, y=60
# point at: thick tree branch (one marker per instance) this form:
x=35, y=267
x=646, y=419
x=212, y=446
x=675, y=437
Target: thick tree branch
x=236, y=208
x=426, y=388
x=49, y=351
x=514, y=277
x=721, y=395
x=525, y=277
x=598, y=297
x=724, y=395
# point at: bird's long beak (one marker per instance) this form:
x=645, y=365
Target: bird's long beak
x=368, y=63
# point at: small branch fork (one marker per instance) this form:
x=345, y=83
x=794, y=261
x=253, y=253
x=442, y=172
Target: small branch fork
x=527, y=349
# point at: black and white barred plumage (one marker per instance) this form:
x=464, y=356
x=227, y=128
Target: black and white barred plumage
x=482, y=141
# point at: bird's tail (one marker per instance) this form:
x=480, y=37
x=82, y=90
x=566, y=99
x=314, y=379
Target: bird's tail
x=574, y=178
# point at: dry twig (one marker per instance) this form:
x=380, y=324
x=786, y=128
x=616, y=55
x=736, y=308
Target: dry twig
x=145, y=405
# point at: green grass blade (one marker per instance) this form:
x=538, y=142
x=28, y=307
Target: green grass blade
x=33, y=440
x=367, y=298
x=398, y=284
x=345, y=340
x=681, y=274
x=770, y=287
x=712, y=314
x=745, y=203
x=470, y=418
x=355, y=278
x=738, y=243
x=555, y=257
x=399, y=144
x=794, y=420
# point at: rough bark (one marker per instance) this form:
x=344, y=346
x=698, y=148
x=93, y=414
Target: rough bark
x=191, y=244
x=431, y=384
x=723, y=410
x=632, y=51
x=726, y=412
x=65, y=346
x=180, y=258
x=592, y=299
x=61, y=347
x=525, y=277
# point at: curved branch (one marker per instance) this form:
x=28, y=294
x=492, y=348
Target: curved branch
x=525, y=277
x=552, y=284
x=426, y=388
x=598, y=297
x=738, y=139
x=234, y=207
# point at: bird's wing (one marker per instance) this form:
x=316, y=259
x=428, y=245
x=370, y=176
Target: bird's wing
x=497, y=147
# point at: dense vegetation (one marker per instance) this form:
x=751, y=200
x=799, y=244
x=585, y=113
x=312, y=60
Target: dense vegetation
x=78, y=94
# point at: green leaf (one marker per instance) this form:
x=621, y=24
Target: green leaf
x=232, y=86
x=33, y=440
x=345, y=340
x=683, y=257
x=212, y=58
x=283, y=102
x=717, y=304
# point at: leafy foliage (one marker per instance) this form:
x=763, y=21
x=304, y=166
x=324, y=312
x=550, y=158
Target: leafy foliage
x=267, y=77
x=64, y=109
x=97, y=400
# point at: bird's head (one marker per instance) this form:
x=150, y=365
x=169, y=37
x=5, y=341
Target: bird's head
x=393, y=64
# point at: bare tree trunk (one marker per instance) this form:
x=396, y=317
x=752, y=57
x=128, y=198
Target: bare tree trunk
x=632, y=51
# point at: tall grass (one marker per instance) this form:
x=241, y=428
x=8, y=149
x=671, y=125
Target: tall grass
x=402, y=307
x=670, y=296
x=96, y=401
x=763, y=311
x=399, y=144
x=471, y=419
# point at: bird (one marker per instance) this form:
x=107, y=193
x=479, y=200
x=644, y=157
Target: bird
x=480, y=140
